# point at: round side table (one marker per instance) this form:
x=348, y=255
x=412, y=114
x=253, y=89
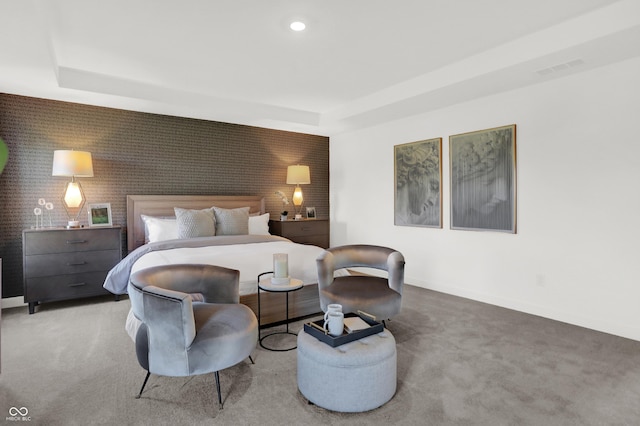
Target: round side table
x=265, y=284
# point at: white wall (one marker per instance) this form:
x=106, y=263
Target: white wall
x=575, y=257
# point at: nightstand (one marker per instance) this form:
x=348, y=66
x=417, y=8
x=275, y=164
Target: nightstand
x=62, y=264
x=306, y=231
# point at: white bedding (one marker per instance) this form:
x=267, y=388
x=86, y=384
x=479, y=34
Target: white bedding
x=250, y=259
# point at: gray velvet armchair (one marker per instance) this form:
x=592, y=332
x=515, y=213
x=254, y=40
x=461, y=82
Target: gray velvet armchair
x=192, y=321
x=377, y=296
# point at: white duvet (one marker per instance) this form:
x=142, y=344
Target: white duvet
x=250, y=259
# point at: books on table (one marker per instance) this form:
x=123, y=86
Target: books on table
x=352, y=324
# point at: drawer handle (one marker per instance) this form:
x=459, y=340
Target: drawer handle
x=76, y=264
x=77, y=284
x=76, y=241
x=306, y=228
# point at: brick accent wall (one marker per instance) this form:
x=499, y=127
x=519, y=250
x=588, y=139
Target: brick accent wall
x=139, y=153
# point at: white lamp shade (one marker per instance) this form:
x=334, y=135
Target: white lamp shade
x=72, y=163
x=298, y=175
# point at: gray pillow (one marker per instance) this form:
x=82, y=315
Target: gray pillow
x=232, y=221
x=195, y=223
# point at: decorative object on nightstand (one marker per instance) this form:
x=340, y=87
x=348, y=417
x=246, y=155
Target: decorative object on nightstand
x=298, y=175
x=99, y=214
x=305, y=231
x=61, y=264
x=285, y=201
x=73, y=164
x=311, y=212
x=45, y=207
x=38, y=212
x=48, y=207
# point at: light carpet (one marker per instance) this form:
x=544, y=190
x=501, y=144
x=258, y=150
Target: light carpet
x=460, y=362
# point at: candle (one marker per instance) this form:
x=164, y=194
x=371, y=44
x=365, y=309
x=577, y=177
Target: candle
x=280, y=265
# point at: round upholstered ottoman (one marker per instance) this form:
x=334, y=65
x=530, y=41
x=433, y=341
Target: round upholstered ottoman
x=354, y=377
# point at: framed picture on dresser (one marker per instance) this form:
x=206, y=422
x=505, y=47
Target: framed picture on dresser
x=311, y=212
x=99, y=214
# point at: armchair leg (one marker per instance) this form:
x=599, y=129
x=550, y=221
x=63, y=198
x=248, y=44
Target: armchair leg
x=143, y=384
x=217, y=374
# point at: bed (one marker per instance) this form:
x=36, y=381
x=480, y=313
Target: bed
x=250, y=254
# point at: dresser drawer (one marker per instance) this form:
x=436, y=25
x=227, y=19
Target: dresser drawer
x=321, y=240
x=64, y=241
x=314, y=232
x=63, y=287
x=304, y=228
x=44, y=265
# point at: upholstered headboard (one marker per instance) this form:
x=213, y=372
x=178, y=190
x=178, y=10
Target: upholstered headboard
x=162, y=205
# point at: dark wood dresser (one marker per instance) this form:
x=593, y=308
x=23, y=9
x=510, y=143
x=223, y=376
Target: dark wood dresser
x=306, y=231
x=61, y=264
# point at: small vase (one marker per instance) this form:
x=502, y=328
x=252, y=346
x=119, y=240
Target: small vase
x=283, y=217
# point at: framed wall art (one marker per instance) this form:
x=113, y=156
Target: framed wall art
x=99, y=214
x=483, y=180
x=418, y=178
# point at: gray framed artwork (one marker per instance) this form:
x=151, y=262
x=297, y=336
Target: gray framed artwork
x=418, y=177
x=483, y=180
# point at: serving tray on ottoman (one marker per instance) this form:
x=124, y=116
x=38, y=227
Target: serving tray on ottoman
x=316, y=329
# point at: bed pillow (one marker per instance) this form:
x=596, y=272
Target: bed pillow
x=231, y=221
x=159, y=228
x=259, y=225
x=195, y=223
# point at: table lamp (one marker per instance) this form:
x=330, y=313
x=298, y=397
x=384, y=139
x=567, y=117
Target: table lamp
x=298, y=175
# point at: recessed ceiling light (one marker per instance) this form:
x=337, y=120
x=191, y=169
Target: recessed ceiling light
x=297, y=26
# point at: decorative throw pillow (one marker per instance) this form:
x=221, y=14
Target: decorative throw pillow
x=232, y=221
x=259, y=225
x=159, y=228
x=195, y=223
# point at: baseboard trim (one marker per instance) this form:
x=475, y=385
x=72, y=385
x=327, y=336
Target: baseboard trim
x=12, y=302
x=573, y=318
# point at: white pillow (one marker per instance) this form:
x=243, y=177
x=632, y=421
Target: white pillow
x=166, y=228
x=259, y=225
x=159, y=228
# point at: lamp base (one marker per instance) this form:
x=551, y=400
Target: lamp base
x=73, y=224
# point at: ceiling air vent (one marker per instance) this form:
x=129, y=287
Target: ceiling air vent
x=560, y=67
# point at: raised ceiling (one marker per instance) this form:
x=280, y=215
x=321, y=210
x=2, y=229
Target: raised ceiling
x=358, y=63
